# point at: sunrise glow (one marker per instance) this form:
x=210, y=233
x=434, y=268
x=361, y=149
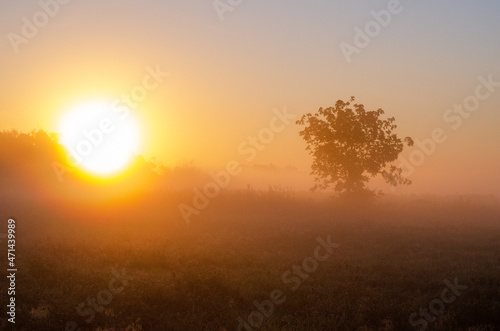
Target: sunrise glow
x=99, y=137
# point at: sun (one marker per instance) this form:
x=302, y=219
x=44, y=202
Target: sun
x=100, y=137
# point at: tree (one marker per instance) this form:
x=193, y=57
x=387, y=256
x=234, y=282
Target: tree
x=350, y=145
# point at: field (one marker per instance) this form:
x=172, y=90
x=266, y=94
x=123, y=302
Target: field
x=390, y=259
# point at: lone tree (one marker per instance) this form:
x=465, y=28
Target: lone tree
x=350, y=145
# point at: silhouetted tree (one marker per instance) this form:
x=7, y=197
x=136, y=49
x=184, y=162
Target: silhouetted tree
x=350, y=145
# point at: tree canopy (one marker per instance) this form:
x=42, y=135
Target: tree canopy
x=350, y=146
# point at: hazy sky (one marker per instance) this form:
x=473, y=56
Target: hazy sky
x=227, y=76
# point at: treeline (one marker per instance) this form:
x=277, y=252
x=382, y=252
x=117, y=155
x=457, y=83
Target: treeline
x=35, y=165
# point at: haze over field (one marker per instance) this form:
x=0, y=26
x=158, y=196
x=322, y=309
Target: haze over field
x=250, y=165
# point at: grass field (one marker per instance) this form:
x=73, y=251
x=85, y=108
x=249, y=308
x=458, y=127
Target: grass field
x=395, y=257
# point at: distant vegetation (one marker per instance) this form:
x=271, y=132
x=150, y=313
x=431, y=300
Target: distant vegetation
x=35, y=164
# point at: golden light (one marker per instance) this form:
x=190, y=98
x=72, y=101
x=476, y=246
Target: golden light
x=100, y=137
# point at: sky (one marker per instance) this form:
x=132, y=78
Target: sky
x=231, y=70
